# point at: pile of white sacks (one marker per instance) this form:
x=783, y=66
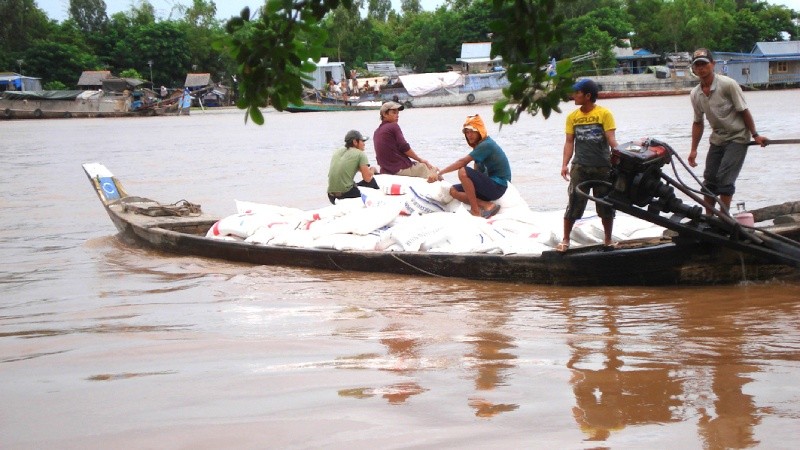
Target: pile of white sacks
x=409, y=214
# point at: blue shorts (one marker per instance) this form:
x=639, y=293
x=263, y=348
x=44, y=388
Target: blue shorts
x=723, y=164
x=485, y=188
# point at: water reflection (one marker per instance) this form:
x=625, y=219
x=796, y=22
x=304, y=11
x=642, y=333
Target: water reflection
x=610, y=395
x=657, y=361
x=492, y=357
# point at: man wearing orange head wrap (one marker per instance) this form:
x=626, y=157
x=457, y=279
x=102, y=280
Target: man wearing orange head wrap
x=488, y=180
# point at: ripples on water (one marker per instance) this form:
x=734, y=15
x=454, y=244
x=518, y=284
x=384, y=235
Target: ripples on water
x=106, y=344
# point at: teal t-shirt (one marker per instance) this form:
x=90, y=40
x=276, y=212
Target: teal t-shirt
x=492, y=161
x=345, y=163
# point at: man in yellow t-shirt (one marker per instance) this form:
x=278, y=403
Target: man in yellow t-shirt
x=590, y=136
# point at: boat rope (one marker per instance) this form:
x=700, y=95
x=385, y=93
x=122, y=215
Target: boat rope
x=180, y=208
x=394, y=255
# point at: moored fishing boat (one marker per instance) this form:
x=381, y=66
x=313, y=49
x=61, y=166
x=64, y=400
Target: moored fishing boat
x=318, y=101
x=699, y=252
x=68, y=104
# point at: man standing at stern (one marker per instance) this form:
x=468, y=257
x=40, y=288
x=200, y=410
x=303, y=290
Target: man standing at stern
x=720, y=99
x=591, y=134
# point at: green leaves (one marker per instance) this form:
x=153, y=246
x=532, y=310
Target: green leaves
x=524, y=37
x=274, y=52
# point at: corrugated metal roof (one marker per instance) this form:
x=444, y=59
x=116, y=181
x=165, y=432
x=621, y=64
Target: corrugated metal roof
x=385, y=68
x=197, y=79
x=473, y=50
x=93, y=77
x=777, y=48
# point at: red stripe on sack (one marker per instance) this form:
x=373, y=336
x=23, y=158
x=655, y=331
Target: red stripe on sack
x=395, y=189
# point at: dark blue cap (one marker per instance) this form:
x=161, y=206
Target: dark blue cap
x=585, y=85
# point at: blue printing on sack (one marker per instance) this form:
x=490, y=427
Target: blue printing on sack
x=428, y=203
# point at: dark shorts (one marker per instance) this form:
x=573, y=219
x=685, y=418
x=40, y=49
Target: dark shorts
x=723, y=164
x=485, y=188
x=577, y=203
x=352, y=193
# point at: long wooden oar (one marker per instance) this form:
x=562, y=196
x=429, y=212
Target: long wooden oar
x=777, y=141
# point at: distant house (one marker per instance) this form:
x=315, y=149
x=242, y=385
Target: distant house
x=769, y=63
x=211, y=94
x=196, y=81
x=92, y=80
x=476, y=57
x=635, y=60
x=10, y=81
x=326, y=71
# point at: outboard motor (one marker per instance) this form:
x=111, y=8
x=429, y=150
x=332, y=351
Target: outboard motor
x=637, y=179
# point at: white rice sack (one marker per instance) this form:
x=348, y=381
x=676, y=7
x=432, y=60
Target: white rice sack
x=244, y=207
x=241, y=225
x=293, y=238
x=464, y=234
x=630, y=227
x=512, y=228
x=413, y=231
x=265, y=233
x=420, y=204
x=520, y=245
x=361, y=221
x=438, y=191
x=376, y=198
x=588, y=230
x=345, y=242
x=227, y=238
x=343, y=206
x=511, y=202
x=654, y=231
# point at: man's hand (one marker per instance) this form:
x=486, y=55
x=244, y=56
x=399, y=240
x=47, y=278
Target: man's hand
x=565, y=172
x=693, y=158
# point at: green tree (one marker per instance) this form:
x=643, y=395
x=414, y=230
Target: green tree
x=90, y=15
x=379, y=9
x=409, y=7
x=343, y=24
x=614, y=22
x=21, y=22
x=61, y=62
x=648, y=32
x=131, y=73
x=163, y=43
x=601, y=43
x=202, y=30
x=54, y=86
x=142, y=13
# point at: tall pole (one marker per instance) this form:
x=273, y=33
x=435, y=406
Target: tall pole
x=150, y=63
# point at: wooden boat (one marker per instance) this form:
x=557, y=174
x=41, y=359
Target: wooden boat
x=330, y=107
x=318, y=101
x=431, y=90
x=181, y=229
x=69, y=104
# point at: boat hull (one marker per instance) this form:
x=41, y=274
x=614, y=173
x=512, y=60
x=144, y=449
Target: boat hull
x=634, y=264
x=655, y=261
